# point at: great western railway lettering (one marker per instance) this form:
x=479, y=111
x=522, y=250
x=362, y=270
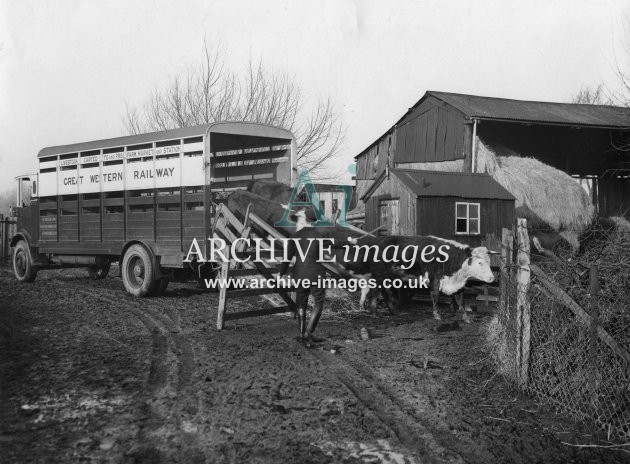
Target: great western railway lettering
x=94, y=178
x=119, y=176
x=148, y=173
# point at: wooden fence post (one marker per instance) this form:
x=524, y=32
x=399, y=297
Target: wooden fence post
x=3, y=237
x=522, y=302
x=507, y=239
x=223, y=274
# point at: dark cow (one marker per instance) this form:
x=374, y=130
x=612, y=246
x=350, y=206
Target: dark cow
x=268, y=210
x=448, y=277
x=276, y=192
x=270, y=189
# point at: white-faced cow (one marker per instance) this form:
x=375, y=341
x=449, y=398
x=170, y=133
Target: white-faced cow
x=446, y=264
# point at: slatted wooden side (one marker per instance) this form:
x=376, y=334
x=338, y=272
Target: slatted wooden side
x=48, y=218
x=90, y=220
x=168, y=220
x=193, y=211
x=140, y=216
x=113, y=218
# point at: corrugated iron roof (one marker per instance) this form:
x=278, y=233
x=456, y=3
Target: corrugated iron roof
x=452, y=184
x=504, y=109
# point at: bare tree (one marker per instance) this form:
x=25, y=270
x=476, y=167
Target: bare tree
x=210, y=92
x=596, y=95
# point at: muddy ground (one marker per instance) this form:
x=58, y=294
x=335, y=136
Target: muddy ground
x=89, y=374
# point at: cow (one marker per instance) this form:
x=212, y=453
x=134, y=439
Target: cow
x=276, y=192
x=268, y=210
x=271, y=190
x=447, y=275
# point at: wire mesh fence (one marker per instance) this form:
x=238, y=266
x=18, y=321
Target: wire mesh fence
x=562, y=330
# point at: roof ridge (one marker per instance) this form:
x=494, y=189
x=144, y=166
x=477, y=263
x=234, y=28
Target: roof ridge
x=589, y=105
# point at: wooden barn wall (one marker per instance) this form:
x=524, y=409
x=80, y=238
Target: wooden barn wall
x=436, y=216
x=434, y=131
x=392, y=189
x=371, y=164
x=613, y=195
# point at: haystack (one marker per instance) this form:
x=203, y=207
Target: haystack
x=543, y=194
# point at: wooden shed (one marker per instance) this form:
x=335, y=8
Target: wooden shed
x=452, y=205
x=442, y=131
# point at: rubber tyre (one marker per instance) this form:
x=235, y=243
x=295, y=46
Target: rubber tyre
x=98, y=272
x=23, y=263
x=137, y=272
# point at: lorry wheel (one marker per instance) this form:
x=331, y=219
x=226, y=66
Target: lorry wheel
x=23, y=263
x=98, y=272
x=137, y=271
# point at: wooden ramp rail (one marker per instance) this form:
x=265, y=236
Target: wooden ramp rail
x=228, y=227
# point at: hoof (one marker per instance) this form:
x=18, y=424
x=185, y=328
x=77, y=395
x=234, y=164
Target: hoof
x=437, y=316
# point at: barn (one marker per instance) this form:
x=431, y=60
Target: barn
x=454, y=205
x=455, y=132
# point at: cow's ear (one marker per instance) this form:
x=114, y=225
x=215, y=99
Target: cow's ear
x=470, y=261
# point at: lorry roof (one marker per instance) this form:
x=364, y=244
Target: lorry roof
x=227, y=128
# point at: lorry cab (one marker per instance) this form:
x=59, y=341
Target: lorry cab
x=27, y=231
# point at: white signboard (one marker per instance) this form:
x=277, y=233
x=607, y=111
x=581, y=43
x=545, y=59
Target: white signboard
x=156, y=173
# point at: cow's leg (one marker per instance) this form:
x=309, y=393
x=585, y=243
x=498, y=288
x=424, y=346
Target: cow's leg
x=405, y=296
x=459, y=298
x=364, y=301
x=301, y=298
x=373, y=301
x=435, y=298
x=391, y=301
x=319, y=295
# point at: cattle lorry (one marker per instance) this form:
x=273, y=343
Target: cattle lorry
x=140, y=200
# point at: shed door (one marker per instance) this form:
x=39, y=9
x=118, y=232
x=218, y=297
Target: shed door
x=389, y=210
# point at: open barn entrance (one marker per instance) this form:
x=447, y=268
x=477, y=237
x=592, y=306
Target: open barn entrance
x=598, y=158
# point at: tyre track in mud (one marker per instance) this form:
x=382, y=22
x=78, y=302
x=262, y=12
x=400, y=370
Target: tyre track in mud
x=365, y=386
x=166, y=415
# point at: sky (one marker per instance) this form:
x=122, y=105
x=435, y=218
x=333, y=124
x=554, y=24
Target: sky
x=69, y=68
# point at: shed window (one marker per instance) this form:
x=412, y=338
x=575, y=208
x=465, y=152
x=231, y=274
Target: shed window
x=467, y=218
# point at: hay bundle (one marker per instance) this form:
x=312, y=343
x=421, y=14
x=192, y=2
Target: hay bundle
x=543, y=194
